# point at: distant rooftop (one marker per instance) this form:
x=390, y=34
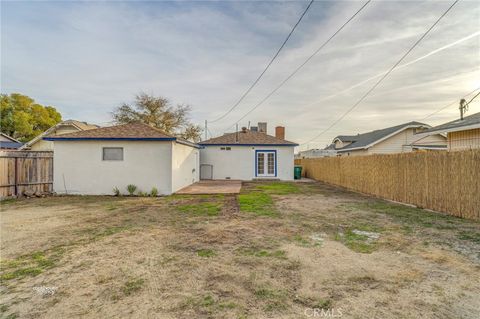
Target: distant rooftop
x=366, y=139
x=247, y=137
x=468, y=122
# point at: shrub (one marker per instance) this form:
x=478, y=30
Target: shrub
x=154, y=192
x=116, y=191
x=131, y=189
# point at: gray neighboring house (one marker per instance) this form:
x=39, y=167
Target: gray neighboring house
x=462, y=134
x=8, y=142
x=395, y=139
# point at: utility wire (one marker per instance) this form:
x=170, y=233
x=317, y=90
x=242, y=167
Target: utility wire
x=301, y=65
x=473, y=98
x=450, y=104
x=266, y=68
x=364, y=96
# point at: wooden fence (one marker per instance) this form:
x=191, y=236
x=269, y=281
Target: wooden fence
x=442, y=181
x=25, y=171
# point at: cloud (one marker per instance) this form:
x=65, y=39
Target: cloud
x=88, y=57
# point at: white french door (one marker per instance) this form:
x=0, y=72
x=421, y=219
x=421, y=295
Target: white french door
x=266, y=163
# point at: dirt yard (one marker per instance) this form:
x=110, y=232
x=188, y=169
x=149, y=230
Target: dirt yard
x=277, y=250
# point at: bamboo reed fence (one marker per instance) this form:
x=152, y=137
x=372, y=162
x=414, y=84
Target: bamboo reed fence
x=442, y=181
x=25, y=170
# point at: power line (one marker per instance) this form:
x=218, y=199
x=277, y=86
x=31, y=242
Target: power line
x=473, y=98
x=450, y=104
x=266, y=68
x=302, y=65
x=475, y=34
x=364, y=96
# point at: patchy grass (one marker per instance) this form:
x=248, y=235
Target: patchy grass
x=412, y=216
x=314, y=303
x=314, y=240
x=356, y=242
x=258, y=203
x=179, y=258
x=209, y=304
x=470, y=236
x=279, y=188
x=275, y=299
x=97, y=233
x=201, y=209
x=206, y=253
x=132, y=285
x=30, y=265
x=262, y=253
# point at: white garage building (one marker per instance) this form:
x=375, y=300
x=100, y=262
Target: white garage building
x=248, y=155
x=93, y=162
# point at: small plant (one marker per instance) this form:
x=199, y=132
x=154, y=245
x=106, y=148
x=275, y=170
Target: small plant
x=154, y=192
x=143, y=194
x=116, y=191
x=133, y=285
x=206, y=253
x=131, y=189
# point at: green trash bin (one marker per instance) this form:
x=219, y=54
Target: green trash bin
x=297, y=173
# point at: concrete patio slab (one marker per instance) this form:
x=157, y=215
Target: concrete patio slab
x=212, y=187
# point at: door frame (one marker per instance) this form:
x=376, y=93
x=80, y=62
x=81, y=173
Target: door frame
x=266, y=161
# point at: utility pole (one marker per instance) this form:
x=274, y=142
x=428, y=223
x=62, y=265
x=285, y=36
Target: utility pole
x=206, y=130
x=463, y=107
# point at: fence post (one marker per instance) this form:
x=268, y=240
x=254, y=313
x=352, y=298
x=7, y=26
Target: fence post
x=16, y=176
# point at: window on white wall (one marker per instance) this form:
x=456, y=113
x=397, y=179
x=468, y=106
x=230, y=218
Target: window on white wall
x=112, y=154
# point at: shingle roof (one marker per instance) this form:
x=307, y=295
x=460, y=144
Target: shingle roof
x=470, y=120
x=81, y=125
x=365, y=139
x=247, y=138
x=127, y=132
x=10, y=145
x=122, y=131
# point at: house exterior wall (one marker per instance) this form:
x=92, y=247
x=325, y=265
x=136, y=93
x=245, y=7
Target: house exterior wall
x=464, y=140
x=239, y=162
x=42, y=145
x=145, y=164
x=436, y=139
x=185, y=166
x=398, y=143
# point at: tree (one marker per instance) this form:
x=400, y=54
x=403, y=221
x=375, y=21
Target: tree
x=158, y=112
x=23, y=119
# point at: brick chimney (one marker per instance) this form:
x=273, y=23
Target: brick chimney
x=280, y=132
x=262, y=127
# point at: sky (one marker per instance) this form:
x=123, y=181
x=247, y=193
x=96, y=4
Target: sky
x=86, y=58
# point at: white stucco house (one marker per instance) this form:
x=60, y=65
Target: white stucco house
x=248, y=155
x=93, y=162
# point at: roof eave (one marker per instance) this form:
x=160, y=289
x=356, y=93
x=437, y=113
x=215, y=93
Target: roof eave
x=246, y=144
x=58, y=138
x=440, y=130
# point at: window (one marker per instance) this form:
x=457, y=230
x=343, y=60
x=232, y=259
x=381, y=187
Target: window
x=112, y=154
x=228, y=148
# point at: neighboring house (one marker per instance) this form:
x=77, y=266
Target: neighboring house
x=95, y=161
x=461, y=134
x=68, y=126
x=248, y=155
x=395, y=139
x=8, y=142
x=314, y=153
